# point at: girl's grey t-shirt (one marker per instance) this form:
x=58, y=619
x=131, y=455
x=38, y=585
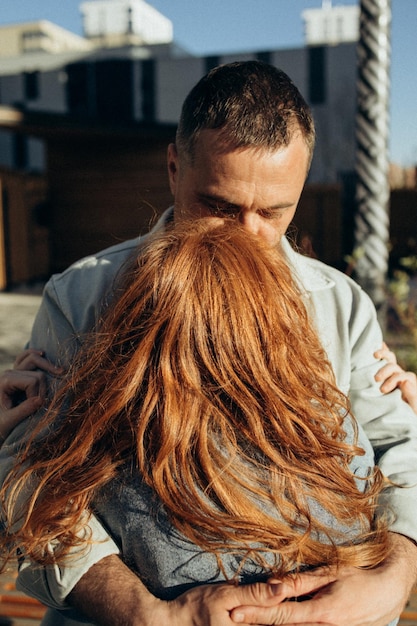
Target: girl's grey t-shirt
x=166, y=561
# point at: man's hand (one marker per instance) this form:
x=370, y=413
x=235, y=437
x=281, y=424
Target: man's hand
x=391, y=376
x=212, y=605
x=23, y=389
x=110, y=594
x=348, y=597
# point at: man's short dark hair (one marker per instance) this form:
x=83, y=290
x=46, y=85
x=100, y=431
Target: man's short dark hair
x=252, y=103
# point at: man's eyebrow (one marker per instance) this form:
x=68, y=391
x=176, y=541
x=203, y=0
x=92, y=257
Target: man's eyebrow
x=222, y=201
x=280, y=205
x=217, y=199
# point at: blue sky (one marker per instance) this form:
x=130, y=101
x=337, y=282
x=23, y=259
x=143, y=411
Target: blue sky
x=216, y=26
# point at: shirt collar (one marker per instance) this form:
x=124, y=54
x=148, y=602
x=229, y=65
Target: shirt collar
x=307, y=272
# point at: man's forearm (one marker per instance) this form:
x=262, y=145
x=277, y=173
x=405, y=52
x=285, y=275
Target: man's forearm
x=405, y=549
x=110, y=594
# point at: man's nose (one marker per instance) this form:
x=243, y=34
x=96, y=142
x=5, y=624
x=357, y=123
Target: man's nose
x=250, y=221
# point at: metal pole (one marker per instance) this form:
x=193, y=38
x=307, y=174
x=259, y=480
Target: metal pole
x=372, y=131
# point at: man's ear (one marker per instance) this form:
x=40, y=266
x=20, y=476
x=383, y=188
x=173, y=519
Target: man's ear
x=173, y=165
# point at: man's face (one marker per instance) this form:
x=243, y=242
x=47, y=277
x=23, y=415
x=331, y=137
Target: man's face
x=258, y=188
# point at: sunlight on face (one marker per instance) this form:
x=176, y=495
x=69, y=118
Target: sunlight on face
x=259, y=189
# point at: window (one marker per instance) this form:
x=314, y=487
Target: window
x=317, y=74
x=31, y=85
x=34, y=41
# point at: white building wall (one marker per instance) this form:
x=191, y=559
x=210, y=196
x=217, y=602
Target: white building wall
x=42, y=35
x=152, y=25
x=331, y=24
x=103, y=18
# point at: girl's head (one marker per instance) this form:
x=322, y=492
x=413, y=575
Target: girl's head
x=207, y=377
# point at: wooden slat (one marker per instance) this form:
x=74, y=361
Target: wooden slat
x=25, y=611
x=410, y=612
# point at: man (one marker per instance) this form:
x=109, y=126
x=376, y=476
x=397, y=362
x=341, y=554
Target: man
x=242, y=154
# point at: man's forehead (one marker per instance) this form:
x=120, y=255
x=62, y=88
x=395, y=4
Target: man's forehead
x=220, y=143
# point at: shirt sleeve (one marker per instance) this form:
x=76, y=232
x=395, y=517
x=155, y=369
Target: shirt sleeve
x=54, y=332
x=388, y=421
x=51, y=585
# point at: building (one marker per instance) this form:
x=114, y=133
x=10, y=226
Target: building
x=146, y=84
x=128, y=70
x=97, y=122
x=45, y=68
x=330, y=25
x=110, y=23
x=42, y=36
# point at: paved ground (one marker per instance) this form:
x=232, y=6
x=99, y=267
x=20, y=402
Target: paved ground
x=17, y=311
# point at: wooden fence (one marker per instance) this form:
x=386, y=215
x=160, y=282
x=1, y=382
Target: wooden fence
x=45, y=226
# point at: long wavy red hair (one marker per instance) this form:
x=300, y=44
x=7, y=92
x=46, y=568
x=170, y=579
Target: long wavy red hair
x=206, y=375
